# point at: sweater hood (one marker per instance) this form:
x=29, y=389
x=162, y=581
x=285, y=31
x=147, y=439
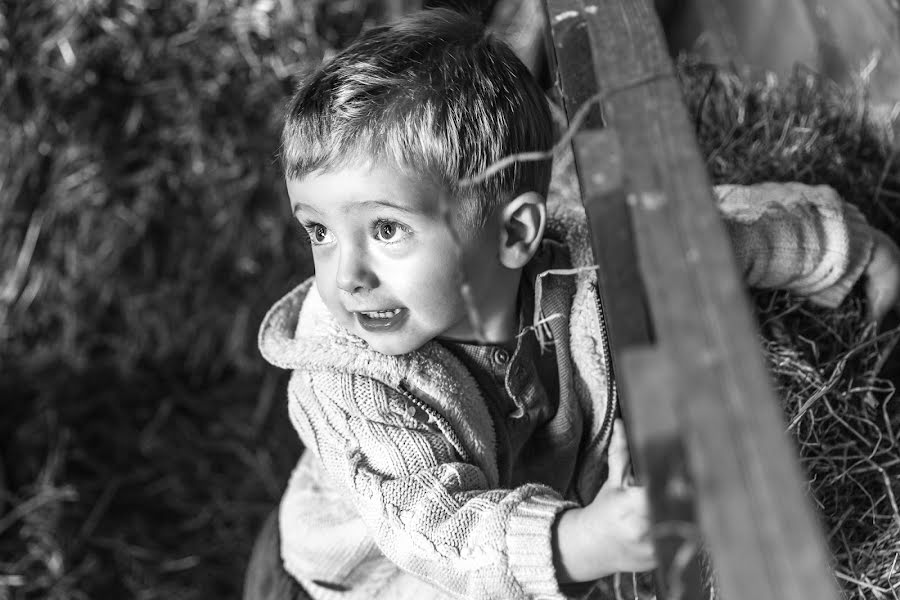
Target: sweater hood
x=299, y=333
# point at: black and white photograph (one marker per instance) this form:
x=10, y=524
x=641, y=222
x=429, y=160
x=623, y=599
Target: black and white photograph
x=449, y=299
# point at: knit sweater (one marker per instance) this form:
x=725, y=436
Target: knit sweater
x=399, y=494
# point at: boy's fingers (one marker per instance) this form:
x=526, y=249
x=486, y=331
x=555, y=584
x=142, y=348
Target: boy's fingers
x=883, y=274
x=878, y=306
x=619, y=459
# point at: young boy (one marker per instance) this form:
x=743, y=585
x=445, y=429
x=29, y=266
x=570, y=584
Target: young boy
x=463, y=444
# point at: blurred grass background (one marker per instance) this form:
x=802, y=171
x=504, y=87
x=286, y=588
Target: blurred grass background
x=144, y=231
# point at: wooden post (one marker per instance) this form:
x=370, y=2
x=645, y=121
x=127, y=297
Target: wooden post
x=696, y=394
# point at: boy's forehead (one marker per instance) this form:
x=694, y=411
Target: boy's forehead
x=364, y=188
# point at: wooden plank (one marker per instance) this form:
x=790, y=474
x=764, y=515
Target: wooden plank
x=612, y=238
x=755, y=520
x=648, y=373
x=581, y=80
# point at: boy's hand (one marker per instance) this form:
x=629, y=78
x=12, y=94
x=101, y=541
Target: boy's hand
x=612, y=533
x=883, y=276
x=619, y=515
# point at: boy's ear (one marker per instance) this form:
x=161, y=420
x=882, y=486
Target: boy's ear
x=521, y=229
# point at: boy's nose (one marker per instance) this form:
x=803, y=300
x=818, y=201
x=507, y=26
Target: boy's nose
x=354, y=273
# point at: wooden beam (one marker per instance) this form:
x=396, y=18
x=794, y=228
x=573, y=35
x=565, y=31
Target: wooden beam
x=703, y=381
x=612, y=236
x=649, y=379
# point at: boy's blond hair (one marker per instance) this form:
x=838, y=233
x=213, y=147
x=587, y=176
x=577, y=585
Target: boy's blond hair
x=433, y=94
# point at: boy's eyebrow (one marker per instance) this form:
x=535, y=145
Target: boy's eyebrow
x=300, y=206
x=387, y=204
x=366, y=204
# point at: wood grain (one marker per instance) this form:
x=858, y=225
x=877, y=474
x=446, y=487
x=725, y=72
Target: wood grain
x=714, y=396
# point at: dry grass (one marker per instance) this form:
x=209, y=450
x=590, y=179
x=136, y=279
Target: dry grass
x=836, y=374
x=143, y=231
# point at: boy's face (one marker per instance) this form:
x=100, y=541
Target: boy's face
x=386, y=264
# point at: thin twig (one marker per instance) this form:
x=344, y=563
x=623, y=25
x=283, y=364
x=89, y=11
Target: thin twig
x=574, y=126
x=533, y=156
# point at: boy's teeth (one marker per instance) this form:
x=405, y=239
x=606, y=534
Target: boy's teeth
x=381, y=314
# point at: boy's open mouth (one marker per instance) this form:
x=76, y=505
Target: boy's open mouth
x=382, y=320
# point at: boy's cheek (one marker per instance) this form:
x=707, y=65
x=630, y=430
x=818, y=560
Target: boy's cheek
x=323, y=268
x=328, y=292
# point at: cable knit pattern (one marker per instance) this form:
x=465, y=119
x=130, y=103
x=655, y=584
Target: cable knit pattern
x=530, y=551
x=398, y=494
x=431, y=512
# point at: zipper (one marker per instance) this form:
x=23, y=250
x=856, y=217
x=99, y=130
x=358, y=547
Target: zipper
x=611, y=390
x=436, y=417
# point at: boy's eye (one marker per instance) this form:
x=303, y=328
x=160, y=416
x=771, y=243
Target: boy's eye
x=389, y=231
x=318, y=234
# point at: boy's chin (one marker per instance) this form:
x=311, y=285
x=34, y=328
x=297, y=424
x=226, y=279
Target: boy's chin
x=393, y=347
